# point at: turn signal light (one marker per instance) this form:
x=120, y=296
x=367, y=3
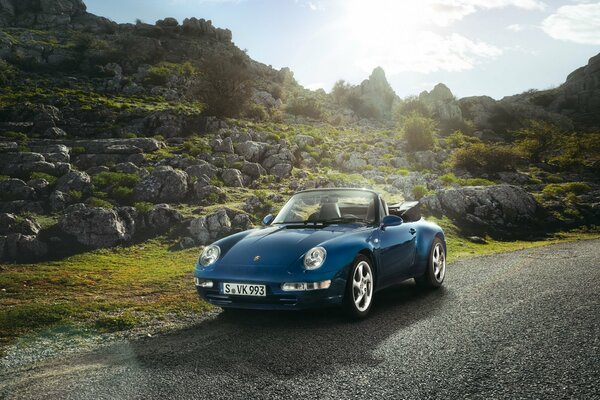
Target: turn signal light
x=298, y=286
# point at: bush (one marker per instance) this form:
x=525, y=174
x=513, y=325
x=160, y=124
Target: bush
x=419, y=191
x=41, y=175
x=558, y=189
x=96, y=202
x=159, y=74
x=488, y=158
x=256, y=112
x=418, y=132
x=122, y=194
x=538, y=140
x=451, y=179
x=143, y=207
x=408, y=106
x=7, y=72
x=107, y=179
x=306, y=106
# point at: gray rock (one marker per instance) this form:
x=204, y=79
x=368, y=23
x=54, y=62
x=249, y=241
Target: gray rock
x=498, y=209
x=206, y=194
x=426, y=159
x=186, y=242
x=74, y=181
x=223, y=146
x=10, y=223
x=202, y=169
x=94, y=227
x=16, y=189
x=281, y=170
x=241, y=222
x=7, y=147
x=253, y=170
x=304, y=141
x=54, y=133
x=162, y=218
x=97, y=170
x=232, y=177
x=30, y=249
x=164, y=184
x=41, y=186
x=127, y=168
x=251, y=151
x=122, y=149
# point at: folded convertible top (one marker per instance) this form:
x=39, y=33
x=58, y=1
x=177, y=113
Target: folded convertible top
x=409, y=211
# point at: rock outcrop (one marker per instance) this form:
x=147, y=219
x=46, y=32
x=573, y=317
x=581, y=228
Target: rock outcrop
x=442, y=103
x=498, y=210
x=94, y=227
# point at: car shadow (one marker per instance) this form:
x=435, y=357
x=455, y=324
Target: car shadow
x=290, y=342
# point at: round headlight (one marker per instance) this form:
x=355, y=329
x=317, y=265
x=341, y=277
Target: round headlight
x=314, y=258
x=210, y=255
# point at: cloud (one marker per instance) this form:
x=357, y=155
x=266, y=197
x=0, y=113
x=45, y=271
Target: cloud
x=447, y=12
x=515, y=27
x=578, y=23
x=430, y=53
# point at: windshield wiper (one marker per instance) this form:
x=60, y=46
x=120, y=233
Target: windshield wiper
x=344, y=219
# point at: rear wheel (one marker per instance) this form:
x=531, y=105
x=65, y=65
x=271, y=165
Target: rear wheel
x=436, y=266
x=358, y=298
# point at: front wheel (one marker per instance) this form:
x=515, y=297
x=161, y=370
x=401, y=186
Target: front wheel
x=360, y=288
x=436, y=266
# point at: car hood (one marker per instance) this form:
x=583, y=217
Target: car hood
x=280, y=245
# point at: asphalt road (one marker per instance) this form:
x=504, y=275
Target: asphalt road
x=517, y=325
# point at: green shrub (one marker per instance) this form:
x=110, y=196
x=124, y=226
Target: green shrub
x=75, y=195
x=451, y=179
x=419, y=191
x=7, y=72
x=256, y=112
x=107, y=179
x=143, y=207
x=78, y=150
x=159, y=74
x=196, y=146
x=122, y=194
x=418, y=132
x=488, y=158
x=41, y=175
x=96, y=202
x=408, y=106
x=558, y=189
x=305, y=106
x=538, y=140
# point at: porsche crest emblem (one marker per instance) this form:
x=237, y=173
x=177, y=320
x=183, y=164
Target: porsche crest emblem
x=256, y=258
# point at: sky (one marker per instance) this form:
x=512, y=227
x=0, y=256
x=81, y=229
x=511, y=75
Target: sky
x=476, y=47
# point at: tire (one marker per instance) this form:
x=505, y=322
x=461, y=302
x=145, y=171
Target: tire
x=435, y=272
x=360, y=288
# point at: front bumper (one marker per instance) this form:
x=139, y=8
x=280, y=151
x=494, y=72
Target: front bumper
x=276, y=298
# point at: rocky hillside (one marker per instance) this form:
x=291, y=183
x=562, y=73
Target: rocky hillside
x=111, y=134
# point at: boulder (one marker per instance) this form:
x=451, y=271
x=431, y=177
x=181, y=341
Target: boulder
x=253, y=170
x=497, y=209
x=207, y=229
x=10, y=223
x=223, y=145
x=163, y=185
x=58, y=201
x=281, y=170
x=74, y=181
x=54, y=133
x=94, y=227
x=16, y=189
x=251, y=151
x=202, y=169
x=17, y=247
x=207, y=194
x=232, y=177
x=162, y=218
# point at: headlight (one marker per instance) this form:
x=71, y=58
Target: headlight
x=314, y=258
x=210, y=255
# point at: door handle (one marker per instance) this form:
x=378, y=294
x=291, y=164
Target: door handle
x=412, y=231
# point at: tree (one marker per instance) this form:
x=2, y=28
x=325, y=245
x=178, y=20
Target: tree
x=226, y=85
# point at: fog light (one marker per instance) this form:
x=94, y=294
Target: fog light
x=298, y=286
x=203, y=283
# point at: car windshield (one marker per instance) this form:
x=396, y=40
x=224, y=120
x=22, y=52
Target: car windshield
x=329, y=206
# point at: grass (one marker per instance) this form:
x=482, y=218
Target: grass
x=105, y=290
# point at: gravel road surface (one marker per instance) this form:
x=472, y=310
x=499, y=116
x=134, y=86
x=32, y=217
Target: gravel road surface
x=516, y=325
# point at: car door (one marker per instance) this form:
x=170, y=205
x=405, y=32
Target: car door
x=396, y=252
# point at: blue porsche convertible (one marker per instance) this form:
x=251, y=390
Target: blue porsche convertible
x=325, y=247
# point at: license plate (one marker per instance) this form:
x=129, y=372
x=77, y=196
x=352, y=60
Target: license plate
x=244, y=289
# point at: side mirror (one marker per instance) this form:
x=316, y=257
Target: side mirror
x=391, y=220
x=268, y=220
